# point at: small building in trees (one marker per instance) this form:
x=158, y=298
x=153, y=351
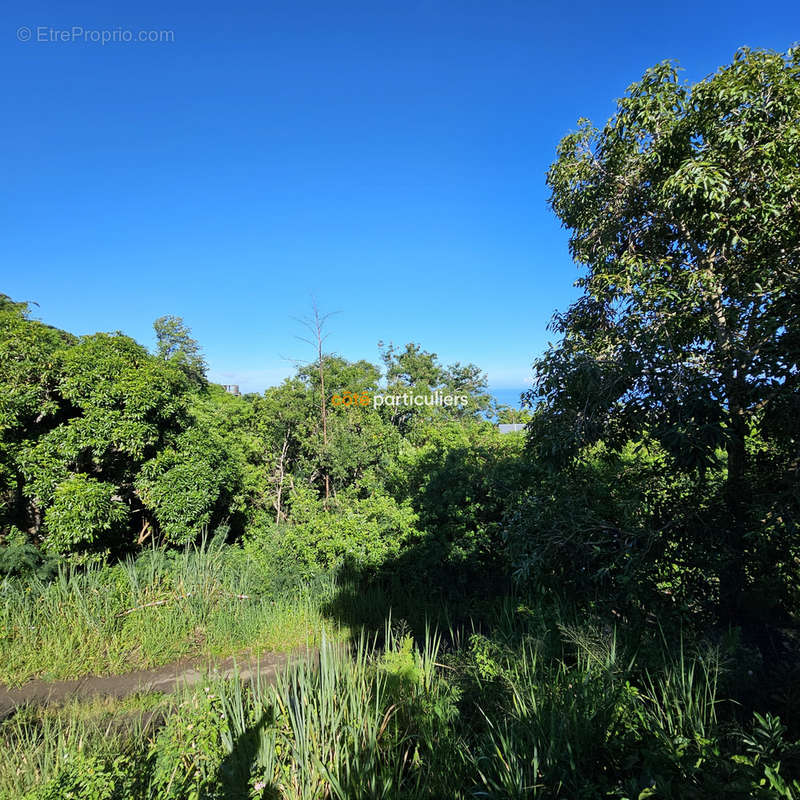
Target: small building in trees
x=511, y=427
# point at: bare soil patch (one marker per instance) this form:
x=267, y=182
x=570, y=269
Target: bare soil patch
x=167, y=678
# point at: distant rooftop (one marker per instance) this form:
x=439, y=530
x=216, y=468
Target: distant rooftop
x=510, y=427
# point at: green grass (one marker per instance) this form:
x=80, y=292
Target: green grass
x=530, y=699
x=39, y=743
x=209, y=600
x=566, y=713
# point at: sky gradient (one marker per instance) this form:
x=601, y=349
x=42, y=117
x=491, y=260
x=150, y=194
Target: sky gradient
x=385, y=158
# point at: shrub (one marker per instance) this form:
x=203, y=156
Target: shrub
x=363, y=533
x=189, y=751
x=187, y=485
x=83, y=511
x=91, y=777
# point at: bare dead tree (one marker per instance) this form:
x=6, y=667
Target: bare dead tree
x=281, y=477
x=315, y=324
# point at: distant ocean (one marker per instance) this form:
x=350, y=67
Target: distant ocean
x=508, y=397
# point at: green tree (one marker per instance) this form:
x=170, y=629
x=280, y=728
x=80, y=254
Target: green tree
x=103, y=444
x=189, y=484
x=411, y=367
x=507, y=415
x=30, y=403
x=357, y=438
x=124, y=407
x=176, y=345
x=414, y=370
x=684, y=210
x=467, y=380
x=280, y=417
x=460, y=476
x=315, y=324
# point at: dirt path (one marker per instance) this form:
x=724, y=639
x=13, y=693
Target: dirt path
x=167, y=678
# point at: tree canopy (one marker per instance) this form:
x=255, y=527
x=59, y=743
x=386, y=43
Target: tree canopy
x=684, y=212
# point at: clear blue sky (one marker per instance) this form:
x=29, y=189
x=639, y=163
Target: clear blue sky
x=387, y=157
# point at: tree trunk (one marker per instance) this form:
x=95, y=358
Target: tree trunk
x=281, y=475
x=732, y=576
x=733, y=579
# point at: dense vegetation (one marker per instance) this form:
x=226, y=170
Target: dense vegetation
x=603, y=606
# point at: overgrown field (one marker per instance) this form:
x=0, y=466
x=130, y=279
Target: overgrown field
x=210, y=599
x=539, y=709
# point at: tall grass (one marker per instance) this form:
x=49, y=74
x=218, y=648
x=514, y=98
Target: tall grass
x=38, y=744
x=561, y=716
x=206, y=599
x=680, y=704
x=565, y=713
x=352, y=725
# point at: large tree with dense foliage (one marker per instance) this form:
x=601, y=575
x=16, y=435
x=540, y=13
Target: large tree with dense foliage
x=103, y=444
x=684, y=210
x=29, y=401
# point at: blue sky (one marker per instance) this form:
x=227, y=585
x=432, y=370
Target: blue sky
x=387, y=158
